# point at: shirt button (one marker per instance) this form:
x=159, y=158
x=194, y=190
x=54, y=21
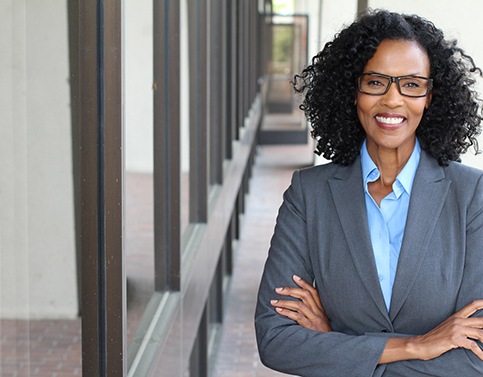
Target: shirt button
x=381, y=277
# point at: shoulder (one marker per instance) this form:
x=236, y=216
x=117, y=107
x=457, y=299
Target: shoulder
x=457, y=173
x=462, y=174
x=466, y=183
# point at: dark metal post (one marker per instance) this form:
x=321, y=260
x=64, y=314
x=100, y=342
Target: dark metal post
x=166, y=118
x=197, y=16
x=217, y=81
x=101, y=177
x=362, y=5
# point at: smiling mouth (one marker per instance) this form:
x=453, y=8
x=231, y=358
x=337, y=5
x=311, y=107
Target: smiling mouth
x=390, y=120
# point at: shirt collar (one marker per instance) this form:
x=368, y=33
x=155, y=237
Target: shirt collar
x=405, y=178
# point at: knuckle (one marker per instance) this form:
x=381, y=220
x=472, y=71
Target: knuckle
x=305, y=294
x=474, y=346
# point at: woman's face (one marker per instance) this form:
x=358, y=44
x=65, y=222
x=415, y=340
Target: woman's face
x=390, y=120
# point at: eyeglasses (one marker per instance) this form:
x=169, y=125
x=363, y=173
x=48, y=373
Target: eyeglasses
x=377, y=84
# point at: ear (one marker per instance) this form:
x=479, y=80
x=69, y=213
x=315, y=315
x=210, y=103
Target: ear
x=428, y=100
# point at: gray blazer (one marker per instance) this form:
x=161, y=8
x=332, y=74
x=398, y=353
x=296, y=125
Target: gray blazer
x=322, y=235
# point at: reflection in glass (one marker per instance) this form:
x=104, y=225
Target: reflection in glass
x=184, y=119
x=139, y=210
x=286, y=38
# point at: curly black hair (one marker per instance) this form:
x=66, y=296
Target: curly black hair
x=449, y=126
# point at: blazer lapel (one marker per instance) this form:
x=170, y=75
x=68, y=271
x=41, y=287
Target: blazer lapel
x=348, y=195
x=428, y=195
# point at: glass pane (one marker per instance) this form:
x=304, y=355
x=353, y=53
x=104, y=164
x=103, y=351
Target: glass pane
x=279, y=99
x=287, y=39
x=184, y=118
x=139, y=212
x=40, y=328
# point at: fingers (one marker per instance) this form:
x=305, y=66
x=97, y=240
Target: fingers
x=307, y=293
x=309, y=288
x=475, y=348
x=470, y=309
x=295, y=316
x=473, y=332
x=299, y=307
x=458, y=331
x=306, y=310
x=300, y=313
x=469, y=341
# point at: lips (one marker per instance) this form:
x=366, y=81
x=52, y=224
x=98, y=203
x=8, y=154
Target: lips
x=390, y=122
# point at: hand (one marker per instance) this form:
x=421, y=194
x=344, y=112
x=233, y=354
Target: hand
x=307, y=311
x=458, y=331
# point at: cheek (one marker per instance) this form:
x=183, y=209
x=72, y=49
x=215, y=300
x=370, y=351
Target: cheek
x=419, y=108
x=363, y=106
x=364, y=102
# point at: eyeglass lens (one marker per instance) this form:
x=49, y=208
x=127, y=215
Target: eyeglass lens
x=409, y=86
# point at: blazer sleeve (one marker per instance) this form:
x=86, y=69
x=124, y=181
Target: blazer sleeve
x=287, y=347
x=283, y=344
x=457, y=362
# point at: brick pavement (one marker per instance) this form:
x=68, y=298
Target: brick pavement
x=53, y=347
x=40, y=348
x=237, y=354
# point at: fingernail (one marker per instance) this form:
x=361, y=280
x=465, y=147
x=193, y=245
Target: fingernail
x=273, y=302
x=297, y=277
x=278, y=289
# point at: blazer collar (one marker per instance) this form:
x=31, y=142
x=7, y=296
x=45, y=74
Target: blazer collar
x=427, y=198
x=429, y=193
x=348, y=194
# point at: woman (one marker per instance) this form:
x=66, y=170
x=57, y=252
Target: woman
x=390, y=233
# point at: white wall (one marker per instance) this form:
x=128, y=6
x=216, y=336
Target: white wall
x=184, y=90
x=326, y=18
x=335, y=16
x=138, y=74
x=37, y=242
x=458, y=19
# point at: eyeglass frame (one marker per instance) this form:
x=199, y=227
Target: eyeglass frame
x=396, y=80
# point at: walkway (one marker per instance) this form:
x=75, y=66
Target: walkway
x=237, y=356
x=53, y=347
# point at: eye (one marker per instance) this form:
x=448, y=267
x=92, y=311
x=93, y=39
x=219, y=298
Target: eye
x=374, y=82
x=411, y=84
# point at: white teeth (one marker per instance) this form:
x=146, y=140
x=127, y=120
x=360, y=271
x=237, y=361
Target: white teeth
x=389, y=120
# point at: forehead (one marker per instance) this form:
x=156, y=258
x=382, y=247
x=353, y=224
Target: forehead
x=399, y=58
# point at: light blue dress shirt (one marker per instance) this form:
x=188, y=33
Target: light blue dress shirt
x=387, y=222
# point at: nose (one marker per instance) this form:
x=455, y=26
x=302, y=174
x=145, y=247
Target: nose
x=392, y=98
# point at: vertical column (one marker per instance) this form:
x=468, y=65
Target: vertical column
x=216, y=84
x=101, y=176
x=197, y=16
x=362, y=5
x=166, y=124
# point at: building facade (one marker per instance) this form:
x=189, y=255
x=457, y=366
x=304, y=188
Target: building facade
x=128, y=133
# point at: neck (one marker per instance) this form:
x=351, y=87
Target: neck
x=389, y=161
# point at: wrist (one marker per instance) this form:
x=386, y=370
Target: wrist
x=413, y=348
x=399, y=349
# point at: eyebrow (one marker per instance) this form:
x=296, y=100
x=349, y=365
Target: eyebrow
x=409, y=74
